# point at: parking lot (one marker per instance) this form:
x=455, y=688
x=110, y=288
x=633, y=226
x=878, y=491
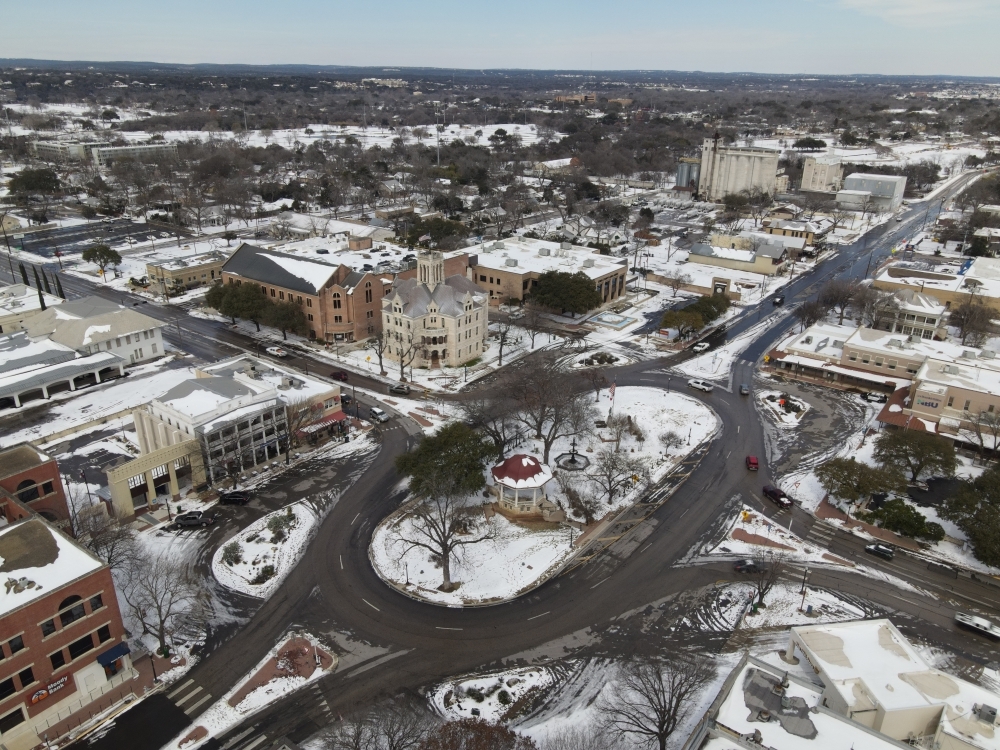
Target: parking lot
x=75, y=239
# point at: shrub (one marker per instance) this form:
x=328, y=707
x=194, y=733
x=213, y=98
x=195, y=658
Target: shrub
x=504, y=697
x=232, y=553
x=476, y=694
x=266, y=574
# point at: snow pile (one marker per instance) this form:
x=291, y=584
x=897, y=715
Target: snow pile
x=774, y=403
x=268, y=550
x=494, y=698
x=750, y=531
x=783, y=606
x=491, y=571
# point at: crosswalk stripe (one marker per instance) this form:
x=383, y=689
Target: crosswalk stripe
x=190, y=709
x=189, y=696
x=179, y=689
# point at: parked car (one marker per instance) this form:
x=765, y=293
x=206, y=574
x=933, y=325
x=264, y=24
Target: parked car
x=339, y=375
x=778, y=496
x=875, y=397
x=322, y=251
x=744, y=389
x=747, y=566
x=880, y=550
x=752, y=463
x=401, y=388
x=237, y=497
x=978, y=624
x=276, y=351
x=700, y=347
x=345, y=399
x=779, y=300
x=701, y=385
x=194, y=518
x=378, y=415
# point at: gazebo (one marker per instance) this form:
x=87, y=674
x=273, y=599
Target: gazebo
x=520, y=484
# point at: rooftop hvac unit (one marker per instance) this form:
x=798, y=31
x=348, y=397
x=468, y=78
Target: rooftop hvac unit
x=987, y=714
x=988, y=354
x=565, y=246
x=588, y=263
x=510, y=262
x=544, y=252
x=950, y=369
x=968, y=354
x=498, y=246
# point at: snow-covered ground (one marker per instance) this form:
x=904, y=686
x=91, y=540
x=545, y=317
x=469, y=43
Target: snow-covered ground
x=262, y=548
x=491, y=571
x=490, y=697
x=785, y=606
x=522, y=555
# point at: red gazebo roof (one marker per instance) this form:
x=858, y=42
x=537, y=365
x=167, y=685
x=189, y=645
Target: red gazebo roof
x=522, y=470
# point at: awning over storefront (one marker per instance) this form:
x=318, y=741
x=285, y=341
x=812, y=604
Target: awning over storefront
x=337, y=416
x=113, y=654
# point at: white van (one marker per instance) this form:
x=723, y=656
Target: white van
x=378, y=415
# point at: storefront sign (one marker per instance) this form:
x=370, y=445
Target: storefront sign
x=52, y=687
x=928, y=403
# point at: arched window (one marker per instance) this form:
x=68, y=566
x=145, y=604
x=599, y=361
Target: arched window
x=336, y=300
x=75, y=612
x=27, y=491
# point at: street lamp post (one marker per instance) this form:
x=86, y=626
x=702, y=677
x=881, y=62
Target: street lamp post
x=805, y=576
x=689, y=436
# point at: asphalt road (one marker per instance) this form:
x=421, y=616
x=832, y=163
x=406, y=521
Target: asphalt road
x=417, y=643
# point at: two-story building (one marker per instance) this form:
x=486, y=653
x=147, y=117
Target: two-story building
x=33, y=478
x=19, y=302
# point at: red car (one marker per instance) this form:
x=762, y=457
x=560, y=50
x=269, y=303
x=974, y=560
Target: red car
x=752, y=464
x=339, y=375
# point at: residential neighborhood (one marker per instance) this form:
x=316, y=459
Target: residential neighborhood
x=546, y=397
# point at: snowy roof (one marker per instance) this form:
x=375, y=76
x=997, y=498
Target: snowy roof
x=20, y=458
x=198, y=396
x=969, y=374
x=540, y=256
x=416, y=297
x=85, y=330
x=179, y=264
x=36, y=560
x=280, y=269
x=18, y=299
x=267, y=374
x=520, y=471
x=726, y=253
x=806, y=723
x=872, y=665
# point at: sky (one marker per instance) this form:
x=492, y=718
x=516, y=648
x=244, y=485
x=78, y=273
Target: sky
x=906, y=37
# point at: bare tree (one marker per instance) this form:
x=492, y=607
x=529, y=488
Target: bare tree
x=974, y=321
x=810, y=312
x=595, y=377
x=107, y=535
x=618, y=424
x=493, y=414
x=162, y=595
x=400, y=726
x=407, y=348
x=839, y=217
x=582, y=738
x=653, y=698
x=768, y=566
x=533, y=321
x=838, y=294
x=444, y=525
x=502, y=332
x=676, y=280
x=759, y=202
x=548, y=404
x=614, y=472
x=300, y=414
x=377, y=345
x=585, y=503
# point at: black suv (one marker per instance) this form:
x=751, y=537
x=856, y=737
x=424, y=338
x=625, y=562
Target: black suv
x=880, y=550
x=778, y=496
x=194, y=518
x=747, y=566
x=237, y=497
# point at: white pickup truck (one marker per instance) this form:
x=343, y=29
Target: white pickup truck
x=979, y=624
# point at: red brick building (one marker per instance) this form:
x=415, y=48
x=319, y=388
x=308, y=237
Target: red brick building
x=62, y=642
x=33, y=478
x=339, y=304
